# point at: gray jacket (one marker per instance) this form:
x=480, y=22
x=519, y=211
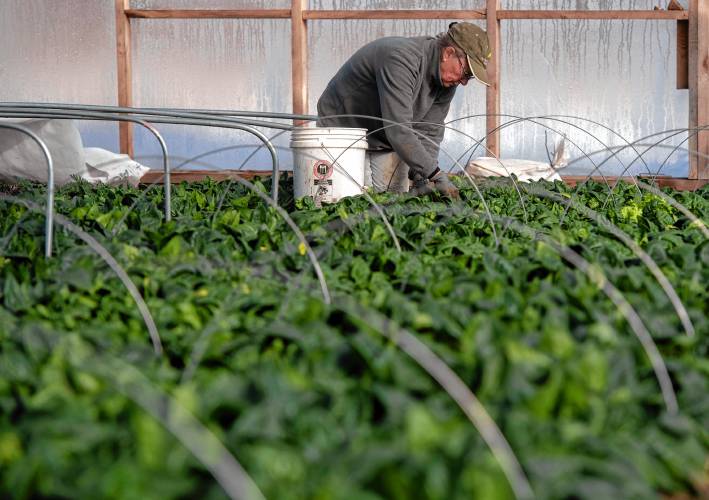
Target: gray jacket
x=397, y=79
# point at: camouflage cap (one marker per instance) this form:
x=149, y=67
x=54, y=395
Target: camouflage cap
x=474, y=42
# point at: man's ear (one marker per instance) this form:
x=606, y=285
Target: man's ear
x=448, y=52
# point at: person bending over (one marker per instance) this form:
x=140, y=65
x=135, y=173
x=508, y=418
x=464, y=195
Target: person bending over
x=409, y=83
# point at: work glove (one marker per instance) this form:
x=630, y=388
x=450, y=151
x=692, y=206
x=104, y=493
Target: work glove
x=439, y=182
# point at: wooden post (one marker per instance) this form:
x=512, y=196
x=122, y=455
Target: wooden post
x=681, y=47
x=492, y=105
x=125, y=94
x=299, y=58
x=699, y=87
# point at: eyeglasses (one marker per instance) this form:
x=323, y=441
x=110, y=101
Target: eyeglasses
x=464, y=70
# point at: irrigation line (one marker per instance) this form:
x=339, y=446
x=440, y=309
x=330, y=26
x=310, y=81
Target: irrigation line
x=452, y=384
x=630, y=243
x=108, y=258
x=49, y=209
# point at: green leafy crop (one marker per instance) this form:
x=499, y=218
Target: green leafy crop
x=311, y=398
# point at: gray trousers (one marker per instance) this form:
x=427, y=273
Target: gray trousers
x=385, y=171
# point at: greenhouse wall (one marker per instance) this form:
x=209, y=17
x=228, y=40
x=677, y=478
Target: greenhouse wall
x=605, y=82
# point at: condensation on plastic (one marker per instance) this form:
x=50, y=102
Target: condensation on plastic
x=239, y=64
x=620, y=73
x=47, y=56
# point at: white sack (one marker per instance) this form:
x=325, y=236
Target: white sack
x=111, y=168
x=524, y=170
x=21, y=157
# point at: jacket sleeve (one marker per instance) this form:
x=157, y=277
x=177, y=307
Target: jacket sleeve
x=432, y=125
x=396, y=79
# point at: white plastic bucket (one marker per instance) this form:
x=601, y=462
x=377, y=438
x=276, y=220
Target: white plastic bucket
x=328, y=163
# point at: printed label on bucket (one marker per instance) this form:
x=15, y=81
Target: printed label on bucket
x=322, y=191
x=322, y=169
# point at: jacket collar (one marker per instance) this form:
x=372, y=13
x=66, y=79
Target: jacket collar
x=434, y=63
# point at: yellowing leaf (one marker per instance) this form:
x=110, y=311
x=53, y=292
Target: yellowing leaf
x=301, y=248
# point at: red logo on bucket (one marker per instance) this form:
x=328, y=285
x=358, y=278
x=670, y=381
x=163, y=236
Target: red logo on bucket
x=322, y=169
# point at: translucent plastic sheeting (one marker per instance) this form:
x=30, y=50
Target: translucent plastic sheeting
x=587, y=4
x=210, y=4
x=619, y=73
x=46, y=55
x=331, y=43
x=210, y=64
x=396, y=4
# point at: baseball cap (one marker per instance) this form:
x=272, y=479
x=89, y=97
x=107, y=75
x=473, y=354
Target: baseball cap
x=474, y=42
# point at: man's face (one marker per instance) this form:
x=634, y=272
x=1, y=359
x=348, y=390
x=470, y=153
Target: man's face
x=454, y=68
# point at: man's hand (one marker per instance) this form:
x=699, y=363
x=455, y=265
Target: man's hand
x=439, y=182
x=420, y=187
x=442, y=183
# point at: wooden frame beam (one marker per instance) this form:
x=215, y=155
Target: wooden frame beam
x=492, y=93
x=698, y=89
x=124, y=74
x=593, y=14
x=682, y=46
x=208, y=13
x=394, y=14
x=299, y=58
x=402, y=14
